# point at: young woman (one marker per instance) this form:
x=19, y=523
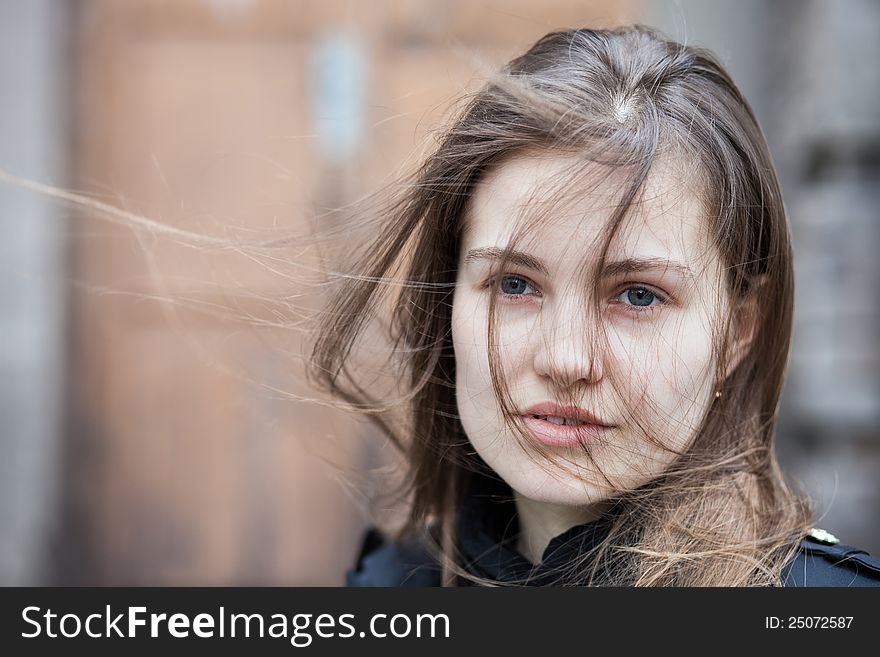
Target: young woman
x=592, y=331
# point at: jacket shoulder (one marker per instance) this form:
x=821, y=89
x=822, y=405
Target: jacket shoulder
x=385, y=563
x=822, y=560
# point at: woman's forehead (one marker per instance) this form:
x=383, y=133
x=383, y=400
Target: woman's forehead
x=529, y=198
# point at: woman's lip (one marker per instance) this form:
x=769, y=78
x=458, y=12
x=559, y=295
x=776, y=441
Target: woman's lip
x=562, y=435
x=557, y=410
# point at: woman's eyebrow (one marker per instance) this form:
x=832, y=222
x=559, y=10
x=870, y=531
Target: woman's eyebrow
x=630, y=265
x=515, y=257
x=616, y=268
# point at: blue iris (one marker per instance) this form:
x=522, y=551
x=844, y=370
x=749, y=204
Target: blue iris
x=513, y=285
x=639, y=296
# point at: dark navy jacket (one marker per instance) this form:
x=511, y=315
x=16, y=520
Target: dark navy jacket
x=487, y=528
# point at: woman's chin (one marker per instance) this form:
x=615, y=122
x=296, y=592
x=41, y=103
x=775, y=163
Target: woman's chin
x=558, y=489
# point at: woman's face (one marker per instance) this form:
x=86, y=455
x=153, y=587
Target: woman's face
x=658, y=307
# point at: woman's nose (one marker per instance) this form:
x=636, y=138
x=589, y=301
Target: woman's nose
x=565, y=351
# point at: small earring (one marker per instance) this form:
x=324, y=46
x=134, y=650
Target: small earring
x=717, y=394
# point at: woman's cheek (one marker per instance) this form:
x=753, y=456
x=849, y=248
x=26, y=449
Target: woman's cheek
x=643, y=364
x=687, y=376
x=469, y=346
x=694, y=358
x=635, y=361
x=514, y=348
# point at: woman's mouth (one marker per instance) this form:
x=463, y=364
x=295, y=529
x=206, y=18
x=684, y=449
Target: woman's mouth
x=556, y=431
x=559, y=420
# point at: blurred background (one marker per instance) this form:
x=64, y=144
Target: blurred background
x=132, y=448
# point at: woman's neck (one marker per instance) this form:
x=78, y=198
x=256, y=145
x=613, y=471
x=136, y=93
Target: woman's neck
x=540, y=522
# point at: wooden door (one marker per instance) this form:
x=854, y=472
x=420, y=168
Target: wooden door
x=186, y=463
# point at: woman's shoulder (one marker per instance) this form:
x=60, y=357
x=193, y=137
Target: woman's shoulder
x=382, y=562
x=822, y=560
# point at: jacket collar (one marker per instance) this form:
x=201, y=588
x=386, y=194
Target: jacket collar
x=488, y=530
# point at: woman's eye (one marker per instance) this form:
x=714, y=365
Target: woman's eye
x=515, y=286
x=640, y=298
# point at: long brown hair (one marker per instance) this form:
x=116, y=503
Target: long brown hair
x=621, y=100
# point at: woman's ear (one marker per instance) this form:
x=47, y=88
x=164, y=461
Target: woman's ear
x=743, y=327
